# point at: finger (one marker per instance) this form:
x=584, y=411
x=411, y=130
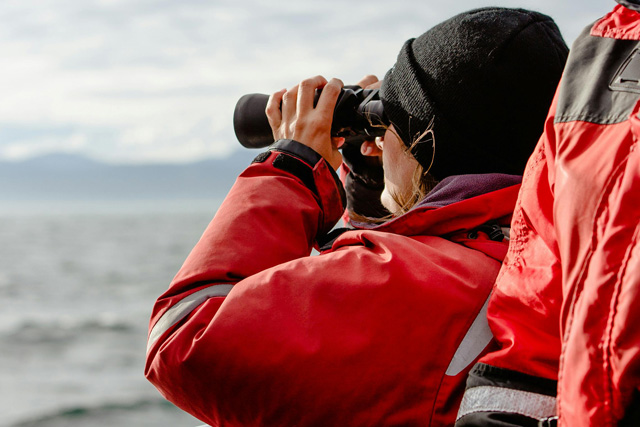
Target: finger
x=367, y=80
x=370, y=148
x=272, y=110
x=329, y=96
x=307, y=93
x=289, y=103
x=375, y=85
x=337, y=141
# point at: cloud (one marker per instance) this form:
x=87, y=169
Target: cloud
x=149, y=80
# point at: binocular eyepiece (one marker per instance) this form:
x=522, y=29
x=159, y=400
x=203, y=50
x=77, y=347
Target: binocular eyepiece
x=358, y=116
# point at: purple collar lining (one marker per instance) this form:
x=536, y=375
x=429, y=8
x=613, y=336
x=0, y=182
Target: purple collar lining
x=457, y=188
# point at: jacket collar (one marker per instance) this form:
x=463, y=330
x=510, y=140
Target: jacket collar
x=458, y=203
x=457, y=188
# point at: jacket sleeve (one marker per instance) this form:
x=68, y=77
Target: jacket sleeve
x=273, y=214
x=255, y=332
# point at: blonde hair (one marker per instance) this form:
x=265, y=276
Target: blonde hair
x=421, y=181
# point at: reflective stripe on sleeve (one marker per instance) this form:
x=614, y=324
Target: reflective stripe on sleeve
x=182, y=309
x=500, y=399
x=474, y=342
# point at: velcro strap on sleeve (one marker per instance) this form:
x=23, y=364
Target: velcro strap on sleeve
x=519, y=398
x=316, y=174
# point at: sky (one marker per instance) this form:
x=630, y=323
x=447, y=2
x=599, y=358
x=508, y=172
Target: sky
x=146, y=81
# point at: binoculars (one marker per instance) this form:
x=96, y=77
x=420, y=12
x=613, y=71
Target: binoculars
x=358, y=116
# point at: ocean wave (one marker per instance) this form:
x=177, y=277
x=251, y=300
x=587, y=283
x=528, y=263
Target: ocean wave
x=62, y=329
x=139, y=413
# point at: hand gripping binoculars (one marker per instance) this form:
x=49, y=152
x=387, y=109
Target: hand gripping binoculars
x=358, y=116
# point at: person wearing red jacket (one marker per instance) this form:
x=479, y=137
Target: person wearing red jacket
x=565, y=307
x=382, y=327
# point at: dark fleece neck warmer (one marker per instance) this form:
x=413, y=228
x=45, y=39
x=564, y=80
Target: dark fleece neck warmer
x=457, y=188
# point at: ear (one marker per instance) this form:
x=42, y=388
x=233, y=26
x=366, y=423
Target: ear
x=371, y=148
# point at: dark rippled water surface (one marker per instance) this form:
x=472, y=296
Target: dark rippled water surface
x=77, y=283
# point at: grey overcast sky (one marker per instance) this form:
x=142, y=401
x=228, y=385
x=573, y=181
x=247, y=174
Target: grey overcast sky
x=156, y=80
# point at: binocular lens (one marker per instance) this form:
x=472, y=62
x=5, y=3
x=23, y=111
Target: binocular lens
x=358, y=115
x=250, y=121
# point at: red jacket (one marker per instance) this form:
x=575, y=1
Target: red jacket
x=566, y=303
x=379, y=329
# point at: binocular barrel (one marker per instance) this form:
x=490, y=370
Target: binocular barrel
x=358, y=115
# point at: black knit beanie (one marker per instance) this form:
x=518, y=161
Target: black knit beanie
x=484, y=81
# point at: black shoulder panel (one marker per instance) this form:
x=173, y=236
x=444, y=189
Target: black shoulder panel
x=630, y=4
x=601, y=82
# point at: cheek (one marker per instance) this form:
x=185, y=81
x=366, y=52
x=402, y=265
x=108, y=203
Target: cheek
x=407, y=170
x=390, y=174
x=390, y=164
x=398, y=171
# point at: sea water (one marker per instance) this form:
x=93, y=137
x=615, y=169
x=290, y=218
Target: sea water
x=77, y=284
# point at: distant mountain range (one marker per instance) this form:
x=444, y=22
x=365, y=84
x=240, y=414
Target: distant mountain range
x=73, y=177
